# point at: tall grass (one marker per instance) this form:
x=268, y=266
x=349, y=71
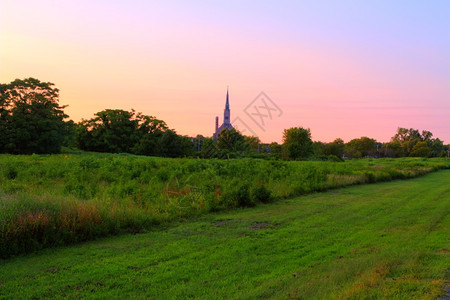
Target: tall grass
x=61, y=199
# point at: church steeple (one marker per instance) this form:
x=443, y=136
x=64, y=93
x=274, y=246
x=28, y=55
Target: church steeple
x=226, y=113
x=227, y=105
x=226, y=118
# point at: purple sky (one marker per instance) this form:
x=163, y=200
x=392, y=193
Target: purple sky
x=341, y=68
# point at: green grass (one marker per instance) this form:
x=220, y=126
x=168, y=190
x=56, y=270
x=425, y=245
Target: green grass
x=387, y=240
x=48, y=201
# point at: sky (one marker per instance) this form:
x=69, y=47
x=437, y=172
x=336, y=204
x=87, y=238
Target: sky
x=344, y=69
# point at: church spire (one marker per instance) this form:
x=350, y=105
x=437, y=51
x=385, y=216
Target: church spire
x=227, y=105
x=226, y=113
x=226, y=118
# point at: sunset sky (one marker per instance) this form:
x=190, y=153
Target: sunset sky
x=341, y=68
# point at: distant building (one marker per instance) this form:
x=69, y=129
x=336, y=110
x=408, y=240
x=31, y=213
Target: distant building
x=226, y=120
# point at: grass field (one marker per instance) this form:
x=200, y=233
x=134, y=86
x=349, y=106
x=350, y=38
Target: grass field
x=386, y=240
x=47, y=201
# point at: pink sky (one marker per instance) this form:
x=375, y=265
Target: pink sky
x=346, y=70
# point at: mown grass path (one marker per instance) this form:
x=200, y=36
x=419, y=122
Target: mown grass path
x=387, y=240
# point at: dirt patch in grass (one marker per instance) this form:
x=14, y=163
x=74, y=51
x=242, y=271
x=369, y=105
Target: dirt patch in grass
x=259, y=225
x=221, y=223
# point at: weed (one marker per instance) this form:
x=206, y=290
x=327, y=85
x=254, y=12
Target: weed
x=59, y=199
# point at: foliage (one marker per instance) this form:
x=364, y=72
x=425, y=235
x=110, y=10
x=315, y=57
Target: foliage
x=209, y=148
x=392, y=149
x=31, y=120
x=113, y=130
x=436, y=147
x=336, y=148
x=318, y=148
x=120, y=131
x=361, y=147
x=229, y=144
x=231, y=140
x=297, y=143
x=421, y=149
x=275, y=150
x=259, y=193
x=409, y=138
x=237, y=194
x=252, y=142
x=47, y=201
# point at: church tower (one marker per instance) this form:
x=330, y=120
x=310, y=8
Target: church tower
x=226, y=119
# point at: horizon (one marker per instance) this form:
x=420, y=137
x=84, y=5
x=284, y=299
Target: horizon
x=342, y=70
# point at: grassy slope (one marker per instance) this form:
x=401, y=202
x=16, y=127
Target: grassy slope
x=382, y=240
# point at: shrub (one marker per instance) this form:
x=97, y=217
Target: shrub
x=11, y=173
x=334, y=158
x=260, y=193
x=237, y=194
x=370, y=177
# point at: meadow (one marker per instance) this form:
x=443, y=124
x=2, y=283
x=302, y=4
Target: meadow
x=54, y=200
x=378, y=241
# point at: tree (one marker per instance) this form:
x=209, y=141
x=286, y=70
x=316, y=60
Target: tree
x=4, y=120
x=392, y=149
x=187, y=146
x=252, y=143
x=31, y=119
x=172, y=145
x=116, y=130
x=409, y=138
x=231, y=140
x=209, y=148
x=297, y=143
x=318, y=149
x=361, y=147
x=168, y=145
x=148, y=144
x=275, y=149
x=421, y=149
x=437, y=148
x=112, y=130
x=337, y=148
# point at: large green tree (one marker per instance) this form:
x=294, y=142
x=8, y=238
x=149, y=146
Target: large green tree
x=437, y=147
x=421, y=149
x=116, y=130
x=112, y=130
x=253, y=143
x=297, y=143
x=337, y=148
x=361, y=147
x=392, y=149
x=231, y=141
x=209, y=148
x=410, y=138
x=31, y=119
x=275, y=150
x=172, y=145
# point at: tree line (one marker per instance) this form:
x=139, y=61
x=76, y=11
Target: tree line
x=32, y=121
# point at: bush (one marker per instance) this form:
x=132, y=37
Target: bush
x=260, y=193
x=11, y=173
x=237, y=194
x=334, y=158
